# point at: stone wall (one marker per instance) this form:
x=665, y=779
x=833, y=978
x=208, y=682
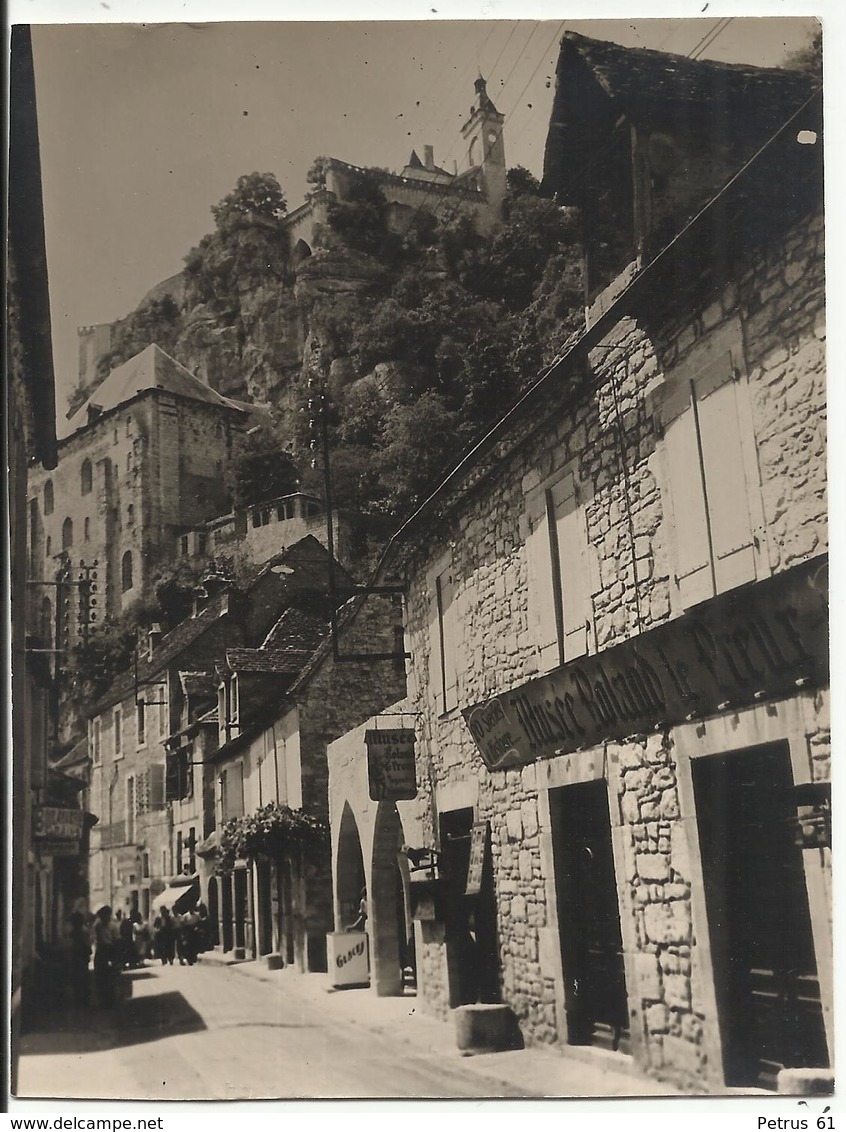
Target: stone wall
x=611, y=434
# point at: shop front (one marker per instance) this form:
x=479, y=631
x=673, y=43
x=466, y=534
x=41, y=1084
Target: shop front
x=684, y=814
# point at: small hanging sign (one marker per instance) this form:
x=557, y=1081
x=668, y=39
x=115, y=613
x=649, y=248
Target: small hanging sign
x=478, y=849
x=390, y=764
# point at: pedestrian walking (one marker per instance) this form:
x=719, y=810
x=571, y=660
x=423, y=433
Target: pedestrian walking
x=79, y=953
x=165, y=937
x=104, y=957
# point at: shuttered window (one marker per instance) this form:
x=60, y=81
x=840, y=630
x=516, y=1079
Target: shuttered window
x=712, y=480
x=446, y=640
x=559, y=577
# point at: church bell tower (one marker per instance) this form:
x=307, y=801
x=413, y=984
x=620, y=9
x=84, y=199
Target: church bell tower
x=482, y=133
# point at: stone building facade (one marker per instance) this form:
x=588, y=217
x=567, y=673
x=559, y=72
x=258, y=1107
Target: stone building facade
x=141, y=461
x=148, y=829
x=276, y=753
x=616, y=614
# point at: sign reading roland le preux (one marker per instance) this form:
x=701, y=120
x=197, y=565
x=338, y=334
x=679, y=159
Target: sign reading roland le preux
x=755, y=643
x=50, y=823
x=390, y=764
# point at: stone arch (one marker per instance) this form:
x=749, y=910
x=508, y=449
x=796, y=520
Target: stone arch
x=301, y=251
x=391, y=930
x=349, y=870
x=126, y=580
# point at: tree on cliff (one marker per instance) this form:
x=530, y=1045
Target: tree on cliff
x=260, y=468
x=255, y=196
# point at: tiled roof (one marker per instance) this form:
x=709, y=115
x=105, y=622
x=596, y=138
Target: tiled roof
x=151, y=369
x=748, y=102
x=198, y=683
x=267, y=660
x=296, y=629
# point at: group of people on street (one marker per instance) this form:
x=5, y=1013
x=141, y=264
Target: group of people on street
x=123, y=941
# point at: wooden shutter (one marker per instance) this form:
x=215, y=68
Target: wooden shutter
x=573, y=570
x=446, y=612
x=224, y=795
x=726, y=484
x=157, y=786
x=542, y=584
x=693, y=577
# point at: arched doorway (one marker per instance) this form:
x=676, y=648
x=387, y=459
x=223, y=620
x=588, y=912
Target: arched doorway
x=349, y=871
x=391, y=928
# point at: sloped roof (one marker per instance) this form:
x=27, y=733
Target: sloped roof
x=151, y=369
x=267, y=660
x=296, y=629
x=198, y=683
x=751, y=103
x=76, y=756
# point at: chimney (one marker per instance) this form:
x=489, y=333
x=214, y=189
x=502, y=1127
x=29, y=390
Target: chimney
x=429, y=156
x=154, y=637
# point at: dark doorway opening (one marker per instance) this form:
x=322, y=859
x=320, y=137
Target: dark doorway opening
x=762, y=947
x=589, y=917
x=265, y=914
x=470, y=921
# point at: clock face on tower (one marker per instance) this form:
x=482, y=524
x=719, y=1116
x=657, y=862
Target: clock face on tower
x=491, y=137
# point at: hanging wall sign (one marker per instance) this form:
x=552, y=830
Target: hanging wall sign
x=753, y=644
x=51, y=823
x=390, y=764
x=478, y=849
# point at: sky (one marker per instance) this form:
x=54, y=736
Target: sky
x=144, y=127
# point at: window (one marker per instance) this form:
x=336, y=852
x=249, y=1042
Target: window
x=48, y=546
x=126, y=571
x=130, y=515
x=67, y=533
x=711, y=480
x=128, y=462
x=233, y=699
x=140, y=723
x=183, y=545
x=559, y=571
x=86, y=529
x=145, y=864
x=48, y=497
x=117, y=721
x=95, y=741
x=129, y=426
x=202, y=542
x=446, y=641
x=85, y=477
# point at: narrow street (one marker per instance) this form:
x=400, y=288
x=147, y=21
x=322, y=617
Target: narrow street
x=213, y=1032
x=208, y=1032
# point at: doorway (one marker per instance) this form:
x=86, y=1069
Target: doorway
x=595, y=996
x=765, y=972
x=472, y=940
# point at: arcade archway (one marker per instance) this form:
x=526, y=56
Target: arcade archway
x=349, y=871
x=391, y=928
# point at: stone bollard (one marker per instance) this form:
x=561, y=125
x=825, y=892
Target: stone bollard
x=805, y=1082
x=239, y=953
x=274, y=962
x=485, y=1027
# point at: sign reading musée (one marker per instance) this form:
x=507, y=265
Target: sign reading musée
x=756, y=643
x=390, y=764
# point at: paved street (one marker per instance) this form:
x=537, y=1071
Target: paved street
x=213, y=1032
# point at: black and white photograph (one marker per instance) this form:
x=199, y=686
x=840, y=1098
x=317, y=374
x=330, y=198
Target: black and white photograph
x=417, y=486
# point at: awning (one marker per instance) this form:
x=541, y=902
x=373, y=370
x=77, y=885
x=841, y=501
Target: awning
x=178, y=897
